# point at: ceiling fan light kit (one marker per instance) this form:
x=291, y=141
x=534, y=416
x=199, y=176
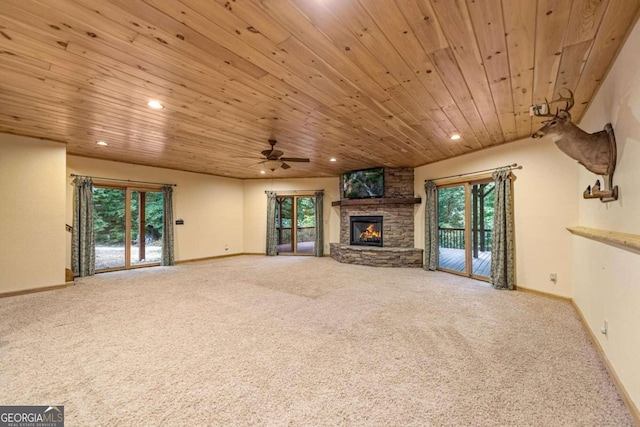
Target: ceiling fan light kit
x=272, y=165
x=272, y=159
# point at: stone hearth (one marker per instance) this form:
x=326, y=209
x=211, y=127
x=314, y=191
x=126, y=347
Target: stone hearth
x=377, y=257
x=397, y=210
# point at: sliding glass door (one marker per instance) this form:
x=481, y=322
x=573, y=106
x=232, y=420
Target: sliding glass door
x=481, y=228
x=109, y=224
x=295, y=225
x=452, y=232
x=128, y=227
x=465, y=218
x=146, y=227
x=284, y=215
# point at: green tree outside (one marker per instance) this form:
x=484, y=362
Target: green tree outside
x=109, y=214
x=451, y=202
x=451, y=207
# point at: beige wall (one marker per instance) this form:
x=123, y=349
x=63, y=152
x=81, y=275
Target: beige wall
x=545, y=199
x=607, y=279
x=255, y=208
x=32, y=254
x=211, y=207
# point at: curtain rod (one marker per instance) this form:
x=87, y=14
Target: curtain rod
x=125, y=180
x=512, y=166
x=293, y=191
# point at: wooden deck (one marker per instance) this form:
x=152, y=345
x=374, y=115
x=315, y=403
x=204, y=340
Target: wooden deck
x=453, y=259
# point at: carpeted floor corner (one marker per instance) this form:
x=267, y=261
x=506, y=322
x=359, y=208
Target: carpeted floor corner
x=301, y=341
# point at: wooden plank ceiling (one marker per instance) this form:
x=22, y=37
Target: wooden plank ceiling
x=369, y=82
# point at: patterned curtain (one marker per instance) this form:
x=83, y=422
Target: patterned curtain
x=167, y=225
x=271, y=224
x=502, y=252
x=431, y=226
x=318, y=247
x=83, y=248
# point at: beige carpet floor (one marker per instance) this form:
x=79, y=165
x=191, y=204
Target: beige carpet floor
x=301, y=341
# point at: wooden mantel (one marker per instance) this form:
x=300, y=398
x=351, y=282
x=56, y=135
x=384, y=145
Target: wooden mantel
x=378, y=201
x=624, y=240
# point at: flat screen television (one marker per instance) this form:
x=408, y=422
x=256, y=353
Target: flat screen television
x=363, y=184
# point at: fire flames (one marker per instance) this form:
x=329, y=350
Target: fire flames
x=370, y=234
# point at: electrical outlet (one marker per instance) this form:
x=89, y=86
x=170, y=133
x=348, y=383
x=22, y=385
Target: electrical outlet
x=536, y=110
x=553, y=277
x=605, y=328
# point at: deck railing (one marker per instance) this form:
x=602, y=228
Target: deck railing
x=454, y=238
x=305, y=234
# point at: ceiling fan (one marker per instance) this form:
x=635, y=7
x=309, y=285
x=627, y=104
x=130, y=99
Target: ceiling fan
x=272, y=159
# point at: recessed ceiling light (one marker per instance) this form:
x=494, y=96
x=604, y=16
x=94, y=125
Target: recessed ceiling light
x=455, y=137
x=104, y=144
x=155, y=104
x=333, y=159
x=262, y=172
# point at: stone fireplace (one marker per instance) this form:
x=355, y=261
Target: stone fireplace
x=366, y=230
x=393, y=219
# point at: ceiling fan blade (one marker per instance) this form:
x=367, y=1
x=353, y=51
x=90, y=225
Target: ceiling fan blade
x=285, y=166
x=294, y=159
x=255, y=164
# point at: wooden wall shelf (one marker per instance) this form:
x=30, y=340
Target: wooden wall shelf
x=379, y=201
x=624, y=240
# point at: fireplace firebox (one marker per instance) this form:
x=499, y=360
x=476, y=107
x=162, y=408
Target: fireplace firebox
x=366, y=230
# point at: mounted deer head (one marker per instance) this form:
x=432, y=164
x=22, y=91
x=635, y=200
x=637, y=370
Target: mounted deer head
x=595, y=151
